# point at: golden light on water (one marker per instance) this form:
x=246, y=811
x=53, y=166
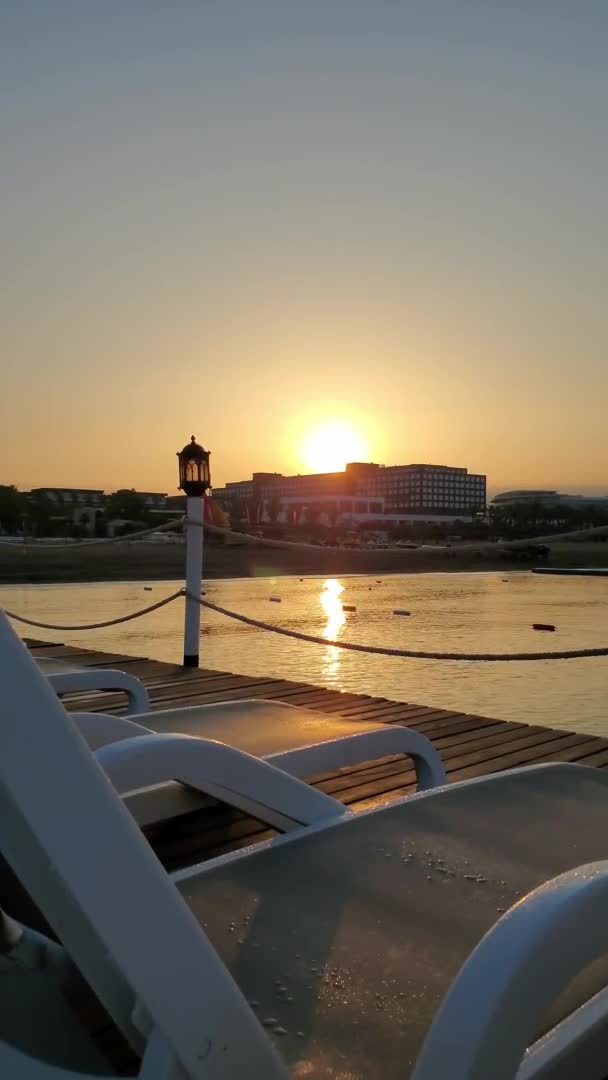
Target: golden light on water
x=332, y=606
x=333, y=443
x=331, y=603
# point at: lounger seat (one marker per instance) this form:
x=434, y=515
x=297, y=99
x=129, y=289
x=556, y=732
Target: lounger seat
x=349, y=938
x=299, y=741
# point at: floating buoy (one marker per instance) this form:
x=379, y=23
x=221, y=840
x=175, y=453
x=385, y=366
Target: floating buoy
x=301, y=579
x=147, y=588
x=401, y=611
x=348, y=607
x=543, y=626
x=378, y=582
x=275, y=599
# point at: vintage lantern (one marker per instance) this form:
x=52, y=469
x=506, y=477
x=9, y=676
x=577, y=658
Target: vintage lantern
x=194, y=475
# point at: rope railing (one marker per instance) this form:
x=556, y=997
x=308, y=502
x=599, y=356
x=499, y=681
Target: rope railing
x=296, y=545
x=381, y=650
x=476, y=545
x=314, y=639
x=98, y=625
x=96, y=541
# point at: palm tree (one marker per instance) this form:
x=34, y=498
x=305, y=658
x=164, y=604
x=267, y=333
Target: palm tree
x=312, y=513
x=333, y=513
x=273, y=509
x=236, y=513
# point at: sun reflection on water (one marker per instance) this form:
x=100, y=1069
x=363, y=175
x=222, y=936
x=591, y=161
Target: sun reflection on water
x=331, y=603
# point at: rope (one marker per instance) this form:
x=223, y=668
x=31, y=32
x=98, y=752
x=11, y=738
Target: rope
x=480, y=545
x=99, y=625
x=379, y=650
x=412, y=654
x=247, y=538
x=95, y=542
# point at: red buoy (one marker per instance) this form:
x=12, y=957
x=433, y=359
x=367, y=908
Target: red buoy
x=543, y=626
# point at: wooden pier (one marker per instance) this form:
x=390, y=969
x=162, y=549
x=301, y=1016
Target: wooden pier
x=469, y=745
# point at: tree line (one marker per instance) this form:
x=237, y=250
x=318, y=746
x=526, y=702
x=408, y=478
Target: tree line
x=517, y=521
x=38, y=515
x=535, y=518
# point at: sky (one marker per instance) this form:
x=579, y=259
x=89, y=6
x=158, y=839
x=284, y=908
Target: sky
x=247, y=219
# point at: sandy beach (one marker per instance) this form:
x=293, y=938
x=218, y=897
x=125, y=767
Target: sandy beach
x=140, y=561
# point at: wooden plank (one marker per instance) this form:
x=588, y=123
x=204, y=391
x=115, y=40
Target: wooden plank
x=540, y=754
x=485, y=742
x=171, y=674
x=356, y=699
x=86, y=659
x=449, y=722
x=186, y=694
x=313, y=699
x=184, y=683
x=374, y=778
x=148, y=670
x=589, y=754
x=397, y=775
x=268, y=689
x=462, y=738
x=374, y=707
x=531, y=747
x=566, y=747
x=458, y=725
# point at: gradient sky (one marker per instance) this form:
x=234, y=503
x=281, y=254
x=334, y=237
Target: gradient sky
x=239, y=218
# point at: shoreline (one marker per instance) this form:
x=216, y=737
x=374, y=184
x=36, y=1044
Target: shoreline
x=139, y=562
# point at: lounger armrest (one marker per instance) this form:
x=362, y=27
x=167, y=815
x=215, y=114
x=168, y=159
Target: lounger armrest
x=495, y=1006
x=99, y=729
x=366, y=746
x=75, y=682
x=222, y=772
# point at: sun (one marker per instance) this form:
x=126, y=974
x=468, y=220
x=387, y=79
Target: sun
x=330, y=445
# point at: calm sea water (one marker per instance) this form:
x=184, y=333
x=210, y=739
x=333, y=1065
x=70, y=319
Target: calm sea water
x=478, y=612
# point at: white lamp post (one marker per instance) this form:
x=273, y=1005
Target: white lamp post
x=194, y=480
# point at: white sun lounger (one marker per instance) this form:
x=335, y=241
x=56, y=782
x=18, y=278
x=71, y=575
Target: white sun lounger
x=326, y=952
x=68, y=678
x=302, y=742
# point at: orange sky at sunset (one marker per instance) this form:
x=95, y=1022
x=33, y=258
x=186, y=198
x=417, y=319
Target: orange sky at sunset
x=254, y=220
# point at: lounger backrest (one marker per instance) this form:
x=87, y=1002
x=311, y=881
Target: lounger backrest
x=81, y=856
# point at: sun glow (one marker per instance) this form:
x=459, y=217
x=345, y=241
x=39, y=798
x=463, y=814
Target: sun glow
x=328, y=447
x=331, y=603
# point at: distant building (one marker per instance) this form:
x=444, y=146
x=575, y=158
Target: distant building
x=366, y=491
x=84, y=506
x=79, y=506
x=548, y=500
x=69, y=497
x=153, y=500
